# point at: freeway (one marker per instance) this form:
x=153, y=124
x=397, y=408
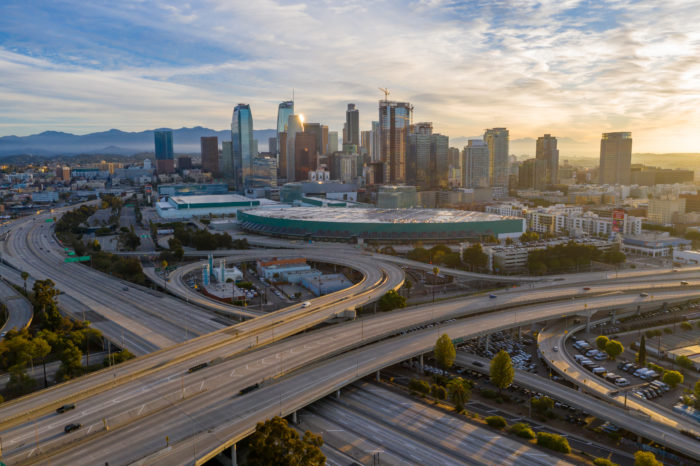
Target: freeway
x=421, y=434
x=556, y=335
x=19, y=310
x=208, y=392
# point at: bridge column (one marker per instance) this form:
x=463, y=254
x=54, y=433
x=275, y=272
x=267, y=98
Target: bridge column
x=588, y=323
x=487, y=342
x=378, y=377
x=520, y=336
x=337, y=394
x=612, y=320
x=421, y=365
x=295, y=420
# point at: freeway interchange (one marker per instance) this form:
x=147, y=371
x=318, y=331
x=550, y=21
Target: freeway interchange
x=143, y=401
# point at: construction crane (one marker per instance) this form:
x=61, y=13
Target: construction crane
x=386, y=93
x=412, y=107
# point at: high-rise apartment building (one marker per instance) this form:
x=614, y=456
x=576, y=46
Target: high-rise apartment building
x=352, y=125
x=332, y=142
x=210, y=154
x=366, y=143
x=243, y=144
x=165, y=162
x=616, y=158
x=532, y=174
x=294, y=127
x=497, y=141
x=284, y=110
x=394, y=122
x=272, y=146
x=418, y=170
x=376, y=146
x=305, y=155
x=547, y=150
x=475, y=165
x=321, y=132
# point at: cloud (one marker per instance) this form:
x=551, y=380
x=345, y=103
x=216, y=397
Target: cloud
x=561, y=67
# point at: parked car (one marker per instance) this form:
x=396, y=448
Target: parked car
x=622, y=382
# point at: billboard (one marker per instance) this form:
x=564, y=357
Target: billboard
x=618, y=220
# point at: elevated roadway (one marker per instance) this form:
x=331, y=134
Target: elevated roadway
x=19, y=309
x=214, y=417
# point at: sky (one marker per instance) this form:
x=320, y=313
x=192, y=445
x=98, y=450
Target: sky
x=571, y=68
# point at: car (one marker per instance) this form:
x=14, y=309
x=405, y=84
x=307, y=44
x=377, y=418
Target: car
x=492, y=296
x=126, y=288
x=306, y=304
x=64, y=408
x=683, y=282
x=555, y=348
x=591, y=353
x=586, y=288
x=478, y=363
x=71, y=427
x=644, y=295
x=600, y=356
x=622, y=382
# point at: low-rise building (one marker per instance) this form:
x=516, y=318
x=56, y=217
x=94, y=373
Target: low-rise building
x=658, y=244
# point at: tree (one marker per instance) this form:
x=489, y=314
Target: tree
x=459, y=391
x=24, y=276
x=71, y=362
x=501, y=370
x=646, y=458
x=553, y=442
x=686, y=326
x=274, y=442
x=20, y=383
x=614, y=348
x=542, y=404
x=673, y=378
x=497, y=422
x=419, y=386
x=475, y=257
x=391, y=300
x=41, y=349
x=685, y=362
x=408, y=285
x=601, y=341
x=445, y=353
x=438, y=392
x=642, y=356
x=419, y=254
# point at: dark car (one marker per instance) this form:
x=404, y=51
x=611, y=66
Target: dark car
x=72, y=427
x=492, y=296
x=478, y=363
x=65, y=408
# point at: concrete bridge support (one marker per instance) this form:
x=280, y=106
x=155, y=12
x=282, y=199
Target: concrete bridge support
x=295, y=420
x=422, y=366
x=487, y=342
x=223, y=457
x=379, y=376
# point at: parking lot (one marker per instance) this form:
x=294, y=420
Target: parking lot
x=522, y=353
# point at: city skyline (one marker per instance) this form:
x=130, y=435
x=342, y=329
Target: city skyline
x=547, y=79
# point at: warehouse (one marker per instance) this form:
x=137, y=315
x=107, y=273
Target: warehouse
x=379, y=225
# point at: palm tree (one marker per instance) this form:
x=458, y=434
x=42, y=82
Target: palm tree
x=24, y=276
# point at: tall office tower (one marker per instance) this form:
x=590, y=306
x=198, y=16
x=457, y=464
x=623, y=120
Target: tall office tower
x=321, y=132
x=165, y=162
x=366, y=143
x=284, y=109
x=440, y=168
x=282, y=156
x=547, y=151
x=616, y=158
x=376, y=146
x=532, y=174
x=226, y=162
x=394, y=120
x=352, y=124
x=497, y=141
x=294, y=127
x=210, y=154
x=244, y=145
x=475, y=165
x=332, y=142
x=418, y=157
x=272, y=146
x=305, y=155
x=453, y=157
x=264, y=172
x=184, y=163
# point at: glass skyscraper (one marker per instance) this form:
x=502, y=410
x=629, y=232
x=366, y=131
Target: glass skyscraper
x=243, y=145
x=284, y=110
x=497, y=141
x=394, y=122
x=165, y=162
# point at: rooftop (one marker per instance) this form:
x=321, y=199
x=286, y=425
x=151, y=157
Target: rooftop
x=374, y=215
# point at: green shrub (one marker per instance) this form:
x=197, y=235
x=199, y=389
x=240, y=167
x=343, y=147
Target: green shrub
x=686, y=326
x=497, y=422
x=438, y=392
x=668, y=330
x=522, y=430
x=419, y=386
x=553, y=442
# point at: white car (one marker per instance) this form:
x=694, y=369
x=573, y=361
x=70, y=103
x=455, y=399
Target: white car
x=622, y=382
x=555, y=348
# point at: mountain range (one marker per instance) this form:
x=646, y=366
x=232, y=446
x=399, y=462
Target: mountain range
x=114, y=141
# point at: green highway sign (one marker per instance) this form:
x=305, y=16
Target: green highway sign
x=49, y=220
x=71, y=253
x=77, y=259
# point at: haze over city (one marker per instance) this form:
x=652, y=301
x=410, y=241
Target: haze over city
x=574, y=69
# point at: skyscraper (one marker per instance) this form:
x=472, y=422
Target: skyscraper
x=284, y=110
x=616, y=158
x=475, y=165
x=532, y=174
x=165, y=162
x=394, y=120
x=418, y=156
x=226, y=163
x=497, y=141
x=305, y=155
x=352, y=125
x=439, y=147
x=210, y=154
x=321, y=132
x=272, y=146
x=547, y=151
x=294, y=126
x=243, y=144
x=366, y=143
x=332, y=142
x=376, y=146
